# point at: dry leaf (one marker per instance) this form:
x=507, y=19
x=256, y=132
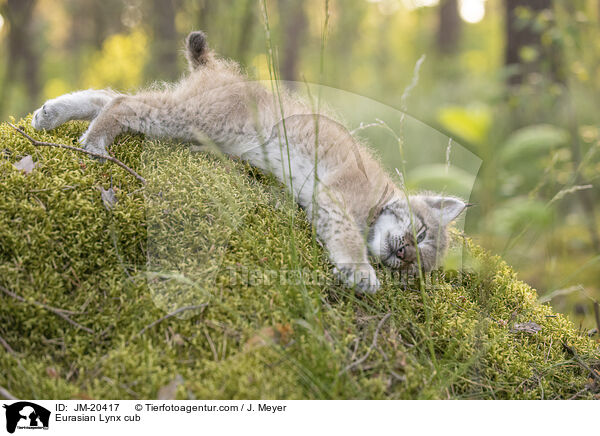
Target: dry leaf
x=52, y=372
x=526, y=327
x=279, y=334
x=169, y=391
x=108, y=197
x=26, y=164
x=400, y=361
x=177, y=339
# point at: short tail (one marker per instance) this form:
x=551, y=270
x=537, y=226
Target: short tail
x=196, y=49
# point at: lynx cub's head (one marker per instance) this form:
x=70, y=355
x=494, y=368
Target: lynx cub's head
x=394, y=239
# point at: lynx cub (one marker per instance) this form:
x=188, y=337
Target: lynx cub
x=357, y=207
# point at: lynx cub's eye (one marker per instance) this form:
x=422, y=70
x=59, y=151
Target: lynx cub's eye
x=421, y=236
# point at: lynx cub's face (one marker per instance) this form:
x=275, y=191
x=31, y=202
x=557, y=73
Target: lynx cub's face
x=394, y=238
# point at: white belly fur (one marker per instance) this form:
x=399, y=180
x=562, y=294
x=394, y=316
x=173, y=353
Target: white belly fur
x=272, y=159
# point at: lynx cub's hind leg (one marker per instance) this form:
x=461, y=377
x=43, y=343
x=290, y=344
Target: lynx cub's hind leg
x=80, y=105
x=153, y=114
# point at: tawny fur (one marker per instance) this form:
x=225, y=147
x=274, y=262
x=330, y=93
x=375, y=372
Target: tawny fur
x=358, y=205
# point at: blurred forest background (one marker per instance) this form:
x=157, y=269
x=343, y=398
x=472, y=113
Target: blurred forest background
x=516, y=82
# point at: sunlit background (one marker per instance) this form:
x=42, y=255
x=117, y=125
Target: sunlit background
x=516, y=82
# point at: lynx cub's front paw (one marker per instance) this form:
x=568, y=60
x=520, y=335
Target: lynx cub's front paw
x=49, y=116
x=360, y=277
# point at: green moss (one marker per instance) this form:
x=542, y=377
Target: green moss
x=208, y=230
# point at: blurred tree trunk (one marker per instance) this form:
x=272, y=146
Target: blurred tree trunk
x=93, y=21
x=342, y=38
x=22, y=57
x=293, y=25
x=449, y=26
x=166, y=41
x=204, y=16
x=523, y=35
x=246, y=31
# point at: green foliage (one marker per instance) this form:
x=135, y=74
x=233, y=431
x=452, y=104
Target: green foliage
x=440, y=178
x=471, y=123
x=526, y=144
x=256, y=338
x=518, y=214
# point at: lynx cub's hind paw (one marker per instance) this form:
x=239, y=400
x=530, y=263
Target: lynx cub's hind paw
x=361, y=278
x=97, y=146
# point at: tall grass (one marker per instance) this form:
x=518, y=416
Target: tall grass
x=312, y=314
x=275, y=84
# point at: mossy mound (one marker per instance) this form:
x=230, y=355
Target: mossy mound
x=88, y=292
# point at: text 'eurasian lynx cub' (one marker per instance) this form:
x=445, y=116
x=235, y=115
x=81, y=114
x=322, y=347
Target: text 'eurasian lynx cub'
x=357, y=207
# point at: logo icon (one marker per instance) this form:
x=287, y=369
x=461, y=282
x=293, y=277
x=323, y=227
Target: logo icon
x=26, y=415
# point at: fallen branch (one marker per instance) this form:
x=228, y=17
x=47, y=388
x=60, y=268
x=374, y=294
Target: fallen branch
x=14, y=354
x=373, y=345
x=60, y=312
x=584, y=390
x=53, y=189
x=81, y=150
x=169, y=315
x=6, y=395
x=45, y=306
x=6, y=346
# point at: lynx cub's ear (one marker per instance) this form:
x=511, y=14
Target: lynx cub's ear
x=446, y=209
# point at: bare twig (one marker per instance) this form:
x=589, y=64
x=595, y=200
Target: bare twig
x=54, y=188
x=581, y=363
x=6, y=346
x=60, y=312
x=169, y=315
x=356, y=343
x=579, y=393
x=7, y=395
x=15, y=355
x=373, y=345
x=212, y=345
x=121, y=385
x=45, y=306
x=597, y=315
x=81, y=150
x=549, y=350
